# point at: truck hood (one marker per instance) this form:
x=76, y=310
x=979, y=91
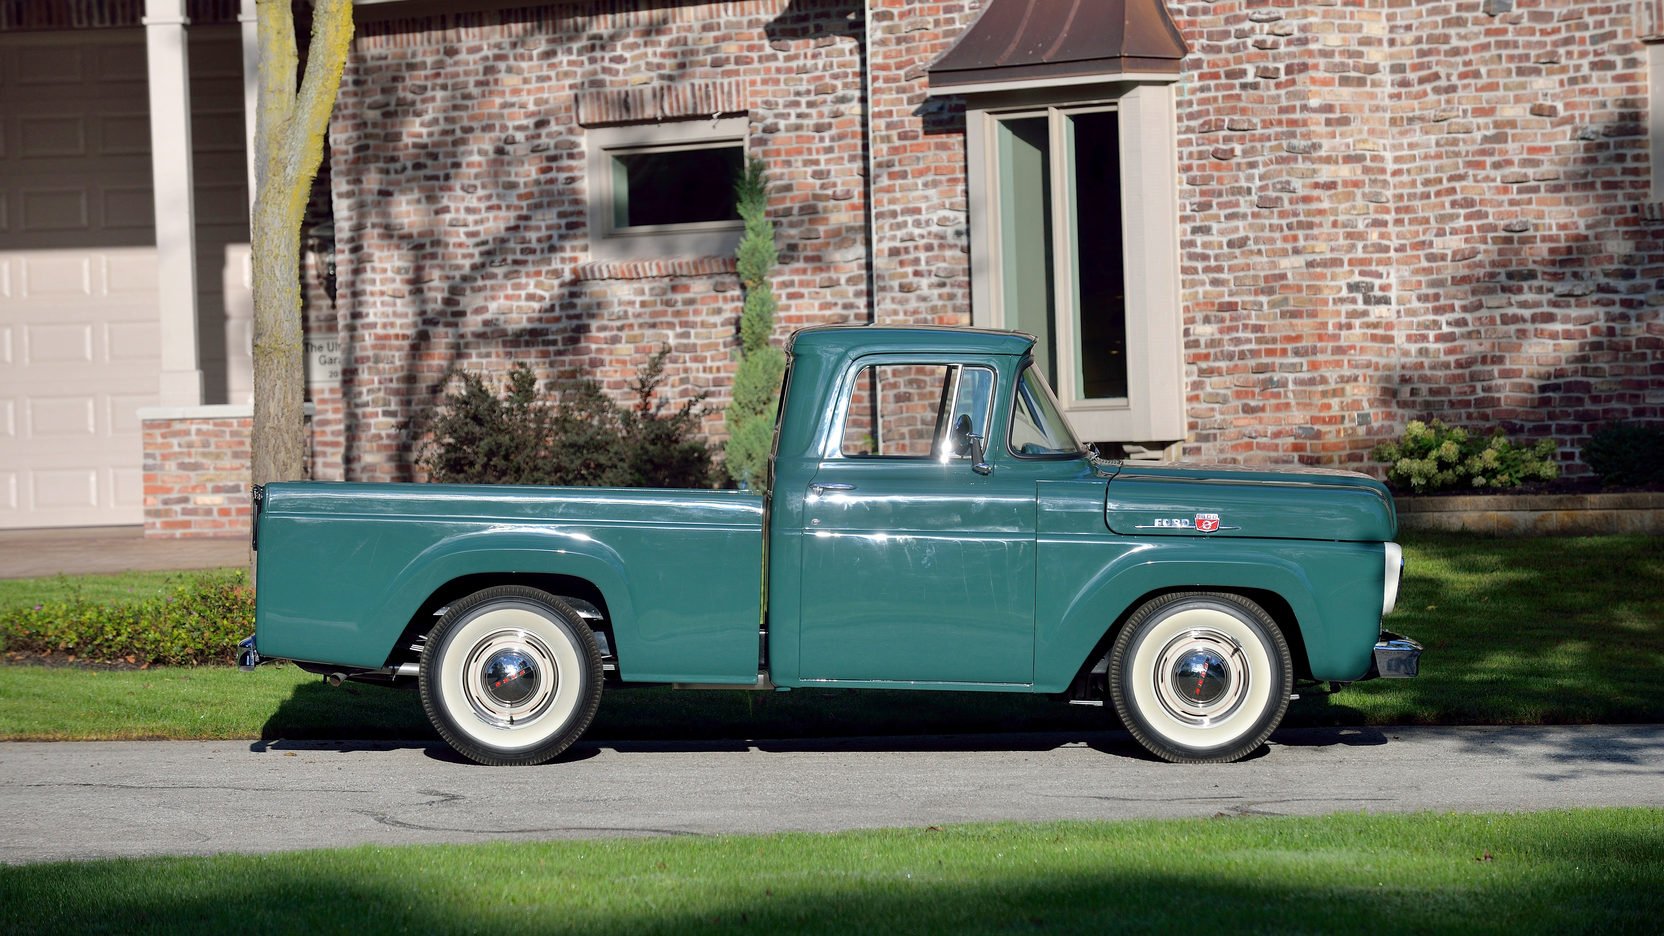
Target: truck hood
x=1256, y=502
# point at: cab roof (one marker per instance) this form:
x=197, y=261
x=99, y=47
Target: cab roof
x=821, y=339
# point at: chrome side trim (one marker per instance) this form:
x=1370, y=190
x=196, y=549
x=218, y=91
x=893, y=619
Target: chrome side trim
x=763, y=684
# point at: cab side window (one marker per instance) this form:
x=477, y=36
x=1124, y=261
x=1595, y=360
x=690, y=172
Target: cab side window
x=910, y=410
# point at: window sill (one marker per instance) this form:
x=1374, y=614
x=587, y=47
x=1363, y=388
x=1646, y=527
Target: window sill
x=653, y=268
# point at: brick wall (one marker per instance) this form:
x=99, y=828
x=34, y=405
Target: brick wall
x=1388, y=208
x=196, y=473
x=1396, y=209
x=1528, y=285
x=460, y=198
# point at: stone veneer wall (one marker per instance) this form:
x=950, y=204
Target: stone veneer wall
x=1389, y=208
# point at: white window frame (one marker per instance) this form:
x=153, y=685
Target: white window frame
x=702, y=239
x=1655, y=111
x=1154, y=410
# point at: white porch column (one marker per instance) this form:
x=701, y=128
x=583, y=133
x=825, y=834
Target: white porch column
x=249, y=19
x=170, y=170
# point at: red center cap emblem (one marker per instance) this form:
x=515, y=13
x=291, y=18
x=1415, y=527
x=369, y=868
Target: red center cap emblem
x=1207, y=523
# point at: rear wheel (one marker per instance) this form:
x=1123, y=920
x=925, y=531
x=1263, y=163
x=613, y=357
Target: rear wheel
x=510, y=676
x=1200, y=677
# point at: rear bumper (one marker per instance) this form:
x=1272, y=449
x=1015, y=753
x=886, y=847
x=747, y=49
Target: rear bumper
x=248, y=657
x=1395, y=657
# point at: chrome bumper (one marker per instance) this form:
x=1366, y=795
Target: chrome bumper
x=1396, y=657
x=247, y=656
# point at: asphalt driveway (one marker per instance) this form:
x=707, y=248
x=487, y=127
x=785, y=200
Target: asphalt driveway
x=79, y=800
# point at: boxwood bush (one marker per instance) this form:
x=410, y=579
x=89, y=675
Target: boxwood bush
x=1432, y=456
x=198, y=621
x=1627, y=454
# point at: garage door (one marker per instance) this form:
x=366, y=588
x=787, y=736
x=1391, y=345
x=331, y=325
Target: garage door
x=79, y=332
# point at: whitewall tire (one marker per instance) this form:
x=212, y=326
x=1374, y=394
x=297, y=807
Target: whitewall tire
x=1200, y=677
x=510, y=676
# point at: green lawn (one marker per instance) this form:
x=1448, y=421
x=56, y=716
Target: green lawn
x=1594, y=871
x=125, y=586
x=1521, y=631
x=1518, y=631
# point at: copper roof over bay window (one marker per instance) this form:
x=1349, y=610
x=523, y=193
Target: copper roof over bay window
x=1024, y=43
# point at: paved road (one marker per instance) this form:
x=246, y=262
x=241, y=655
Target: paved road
x=88, y=800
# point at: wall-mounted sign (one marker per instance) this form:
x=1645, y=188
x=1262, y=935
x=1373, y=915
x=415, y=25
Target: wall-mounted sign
x=323, y=361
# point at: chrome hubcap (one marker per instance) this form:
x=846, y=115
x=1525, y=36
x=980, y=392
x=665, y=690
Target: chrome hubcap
x=1201, y=676
x=510, y=678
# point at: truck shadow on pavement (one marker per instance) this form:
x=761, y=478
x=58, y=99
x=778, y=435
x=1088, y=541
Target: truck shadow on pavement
x=359, y=718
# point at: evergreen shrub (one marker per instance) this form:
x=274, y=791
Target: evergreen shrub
x=576, y=435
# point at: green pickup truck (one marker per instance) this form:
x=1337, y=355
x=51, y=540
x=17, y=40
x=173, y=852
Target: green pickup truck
x=932, y=523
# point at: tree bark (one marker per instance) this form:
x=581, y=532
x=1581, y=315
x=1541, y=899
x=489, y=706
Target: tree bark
x=290, y=126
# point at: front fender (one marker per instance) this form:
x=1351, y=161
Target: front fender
x=1338, y=620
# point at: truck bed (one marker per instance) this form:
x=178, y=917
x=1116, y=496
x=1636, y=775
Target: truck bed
x=679, y=571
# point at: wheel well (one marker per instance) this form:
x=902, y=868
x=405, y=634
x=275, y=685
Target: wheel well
x=1089, y=685
x=426, y=616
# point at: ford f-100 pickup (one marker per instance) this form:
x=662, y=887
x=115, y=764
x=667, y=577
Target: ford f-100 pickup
x=931, y=523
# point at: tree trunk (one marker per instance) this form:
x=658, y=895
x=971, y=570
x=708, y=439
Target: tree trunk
x=289, y=137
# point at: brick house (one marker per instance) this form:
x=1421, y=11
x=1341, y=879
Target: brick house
x=1245, y=231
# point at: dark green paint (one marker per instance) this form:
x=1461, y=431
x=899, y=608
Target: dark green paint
x=922, y=574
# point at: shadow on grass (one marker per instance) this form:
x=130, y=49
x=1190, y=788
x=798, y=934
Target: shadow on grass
x=1488, y=874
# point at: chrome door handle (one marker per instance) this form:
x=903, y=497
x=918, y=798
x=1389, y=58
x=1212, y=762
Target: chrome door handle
x=819, y=488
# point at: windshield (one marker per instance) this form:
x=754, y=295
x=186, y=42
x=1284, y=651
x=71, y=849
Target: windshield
x=1037, y=428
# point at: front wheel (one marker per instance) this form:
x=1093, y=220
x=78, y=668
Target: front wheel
x=510, y=676
x=1200, y=677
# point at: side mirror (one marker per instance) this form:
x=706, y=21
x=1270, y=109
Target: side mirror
x=966, y=442
x=960, y=437
x=979, y=458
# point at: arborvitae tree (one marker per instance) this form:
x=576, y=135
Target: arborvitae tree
x=757, y=382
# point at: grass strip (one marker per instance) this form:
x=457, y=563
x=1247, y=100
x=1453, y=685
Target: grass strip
x=1550, y=872
x=23, y=594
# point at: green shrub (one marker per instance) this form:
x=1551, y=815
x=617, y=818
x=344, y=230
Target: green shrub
x=1432, y=456
x=580, y=437
x=762, y=366
x=1627, y=454
x=198, y=621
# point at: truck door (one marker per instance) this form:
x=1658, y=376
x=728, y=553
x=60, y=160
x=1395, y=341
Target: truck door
x=916, y=568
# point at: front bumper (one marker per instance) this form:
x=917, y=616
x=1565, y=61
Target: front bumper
x=1396, y=657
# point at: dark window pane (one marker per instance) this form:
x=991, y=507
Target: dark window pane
x=1100, y=271
x=675, y=187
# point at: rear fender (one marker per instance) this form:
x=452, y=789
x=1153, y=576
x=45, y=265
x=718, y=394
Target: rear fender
x=498, y=552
